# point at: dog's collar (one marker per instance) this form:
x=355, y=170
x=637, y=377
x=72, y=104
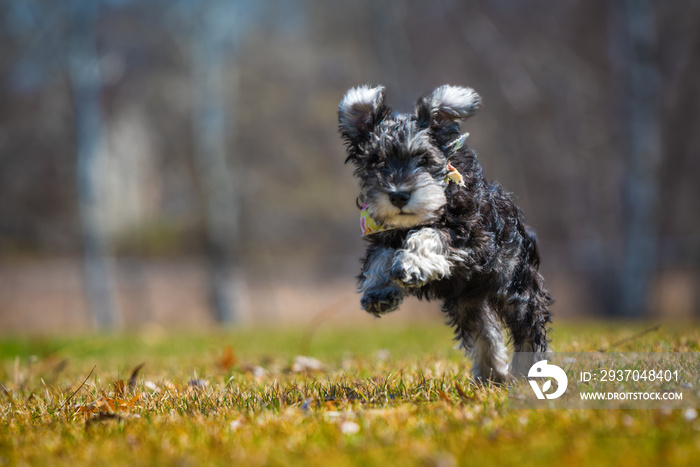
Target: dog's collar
x=369, y=226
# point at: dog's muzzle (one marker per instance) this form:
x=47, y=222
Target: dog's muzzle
x=370, y=226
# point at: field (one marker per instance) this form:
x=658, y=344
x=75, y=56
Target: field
x=374, y=395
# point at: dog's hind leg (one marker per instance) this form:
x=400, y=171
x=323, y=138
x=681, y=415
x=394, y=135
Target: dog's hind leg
x=479, y=331
x=525, y=310
x=527, y=323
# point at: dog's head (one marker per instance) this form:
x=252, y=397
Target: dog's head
x=401, y=159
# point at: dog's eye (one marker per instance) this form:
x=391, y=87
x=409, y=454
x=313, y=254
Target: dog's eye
x=423, y=161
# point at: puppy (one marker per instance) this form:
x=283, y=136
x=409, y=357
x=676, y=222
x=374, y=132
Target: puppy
x=437, y=229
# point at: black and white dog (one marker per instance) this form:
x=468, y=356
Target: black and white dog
x=438, y=230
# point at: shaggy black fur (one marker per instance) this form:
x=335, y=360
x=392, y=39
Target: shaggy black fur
x=490, y=253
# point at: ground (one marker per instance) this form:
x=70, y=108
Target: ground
x=366, y=395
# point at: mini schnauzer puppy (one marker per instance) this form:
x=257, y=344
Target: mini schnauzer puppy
x=437, y=229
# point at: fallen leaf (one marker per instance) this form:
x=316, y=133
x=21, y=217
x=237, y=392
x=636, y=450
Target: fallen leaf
x=227, y=359
x=306, y=364
x=119, y=387
x=349, y=428
x=151, y=385
x=690, y=414
x=198, y=383
x=107, y=405
x=258, y=372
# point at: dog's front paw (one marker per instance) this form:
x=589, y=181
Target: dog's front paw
x=383, y=300
x=407, y=271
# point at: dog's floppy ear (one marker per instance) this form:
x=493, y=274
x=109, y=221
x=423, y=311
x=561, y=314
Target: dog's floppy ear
x=359, y=112
x=445, y=108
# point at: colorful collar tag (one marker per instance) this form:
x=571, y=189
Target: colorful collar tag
x=454, y=176
x=369, y=226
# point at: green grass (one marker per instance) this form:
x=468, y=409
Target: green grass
x=385, y=395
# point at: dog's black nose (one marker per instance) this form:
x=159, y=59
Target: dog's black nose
x=399, y=198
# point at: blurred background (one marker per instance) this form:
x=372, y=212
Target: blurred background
x=177, y=163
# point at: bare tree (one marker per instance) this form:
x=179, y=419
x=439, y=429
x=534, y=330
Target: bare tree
x=643, y=157
x=59, y=37
x=213, y=41
x=85, y=80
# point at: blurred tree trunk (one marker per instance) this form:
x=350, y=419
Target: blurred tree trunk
x=643, y=156
x=85, y=81
x=210, y=122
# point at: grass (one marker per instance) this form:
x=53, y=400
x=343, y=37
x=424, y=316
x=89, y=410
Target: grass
x=383, y=395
